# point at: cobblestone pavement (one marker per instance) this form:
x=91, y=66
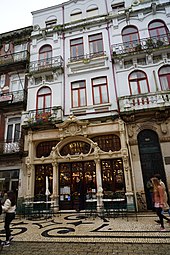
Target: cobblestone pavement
x=76, y=234
x=67, y=248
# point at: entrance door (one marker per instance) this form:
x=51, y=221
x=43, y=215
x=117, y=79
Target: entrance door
x=151, y=159
x=69, y=173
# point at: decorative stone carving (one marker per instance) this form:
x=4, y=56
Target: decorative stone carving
x=72, y=127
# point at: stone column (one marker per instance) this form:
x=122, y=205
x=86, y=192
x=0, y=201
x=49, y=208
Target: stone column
x=125, y=157
x=55, y=194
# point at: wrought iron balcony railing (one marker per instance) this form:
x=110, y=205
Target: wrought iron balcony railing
x=87, y=57
x=14, y=57
x=144, y=101
x=48, y=63
x=9, y=147
x=42, y=116
x=141, y=44
x=13, y=97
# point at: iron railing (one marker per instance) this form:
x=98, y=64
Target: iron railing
x=48, y=63
x=13, y=97
x=42, y=116
x=8, y=147
x=14, y=57
x=141, y=44
x=87, y=57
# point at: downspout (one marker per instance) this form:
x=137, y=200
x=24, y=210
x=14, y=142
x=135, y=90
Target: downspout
x=63, y=38
x=113, y=69
x=132, y=169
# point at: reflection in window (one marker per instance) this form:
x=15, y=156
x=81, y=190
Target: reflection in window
x=75, y=148
x=41, y=171
x=164, y=77
x=108, y=142
x=76, y=49
x=130, y=37
x=78, y=93
x=138, y=83
x=96, y=44
x=113, y=178
x=44, y=148
x=44, y=98
x=158, y=29
x=100, y=90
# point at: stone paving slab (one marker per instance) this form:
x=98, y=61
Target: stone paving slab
x=67, y=248
x=76, y=227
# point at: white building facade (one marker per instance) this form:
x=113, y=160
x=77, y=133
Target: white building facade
x=94, y=86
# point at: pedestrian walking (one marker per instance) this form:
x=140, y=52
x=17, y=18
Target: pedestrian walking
x=159, y=201
x=9, y=208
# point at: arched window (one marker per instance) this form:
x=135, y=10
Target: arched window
x=45, y=52
x=158, y=29
x=44, y=99
x=45, y=56
x=164, y=77
x=130, y=36
x=108, y=142
x=138, y=83
x=75, y=148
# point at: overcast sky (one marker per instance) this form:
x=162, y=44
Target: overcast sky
x=17, y=13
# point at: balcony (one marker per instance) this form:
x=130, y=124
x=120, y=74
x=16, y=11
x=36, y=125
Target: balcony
x=42, y=117
x=14, y=60
x=84, y=63
x=138, y=46
x=144, y=102
x=13, y=97
x=46, y=65
x=11, y=147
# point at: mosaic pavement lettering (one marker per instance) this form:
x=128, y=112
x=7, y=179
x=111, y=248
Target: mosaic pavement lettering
x=75, y=227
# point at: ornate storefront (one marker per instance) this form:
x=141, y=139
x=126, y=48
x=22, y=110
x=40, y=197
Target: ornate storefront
x=81, y=151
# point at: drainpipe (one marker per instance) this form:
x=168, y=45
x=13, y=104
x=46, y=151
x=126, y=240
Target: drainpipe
x=132, y=173
x=63, y=38
x=113, y=69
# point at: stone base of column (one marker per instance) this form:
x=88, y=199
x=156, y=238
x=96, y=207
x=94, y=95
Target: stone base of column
x=130, y=201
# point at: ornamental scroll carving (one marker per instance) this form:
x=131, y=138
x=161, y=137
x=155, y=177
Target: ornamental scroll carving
x=73, y=127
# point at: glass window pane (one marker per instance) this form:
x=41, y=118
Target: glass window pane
x=17, y=132
x=9, y=133
x=104, y=94
x=134, y=87
x=75, y=98
x=82, y=97
x=96, y=95
x=143, y=86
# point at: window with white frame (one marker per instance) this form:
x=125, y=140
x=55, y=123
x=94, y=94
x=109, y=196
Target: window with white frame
x=17, y=82
x=13, y=129
x=76, y=48
x=96, y=44
x=78, y=90
x=138, y=83
x=2, y=80
x=20, y=51
x=164, y=77
x=100, y=90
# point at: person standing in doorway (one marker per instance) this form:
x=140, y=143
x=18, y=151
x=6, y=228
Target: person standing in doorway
x=159, y=200
x=80, y=193
x=9, y=208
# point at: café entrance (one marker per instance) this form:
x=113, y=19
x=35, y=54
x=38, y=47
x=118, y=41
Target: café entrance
x=68, y=175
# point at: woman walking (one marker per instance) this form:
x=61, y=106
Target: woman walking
x=159, y=201
x=9, y=208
